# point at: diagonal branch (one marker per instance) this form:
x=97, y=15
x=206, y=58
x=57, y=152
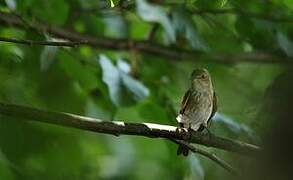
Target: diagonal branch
x=120, y=128
x=143, y=46
x=209, y=155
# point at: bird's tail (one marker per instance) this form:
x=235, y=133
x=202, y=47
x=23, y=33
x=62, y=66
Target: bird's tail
x=182, y=150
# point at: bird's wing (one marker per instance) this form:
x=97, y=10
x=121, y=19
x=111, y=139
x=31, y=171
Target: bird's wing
x=215, y=106
x=185, y=101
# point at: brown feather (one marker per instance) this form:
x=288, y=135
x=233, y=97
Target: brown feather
x=215, y=106
x=185, y=101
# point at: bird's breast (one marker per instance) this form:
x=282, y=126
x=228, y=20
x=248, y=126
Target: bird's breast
x=199, y=110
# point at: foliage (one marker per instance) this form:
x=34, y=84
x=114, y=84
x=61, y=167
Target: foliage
x=134, y=86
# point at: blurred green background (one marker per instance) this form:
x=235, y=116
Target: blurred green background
x=132, y=86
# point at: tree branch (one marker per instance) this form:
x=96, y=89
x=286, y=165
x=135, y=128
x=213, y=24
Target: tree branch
x=119, y=128
x=151, y=35
x=46, y=43
x=209, y=155
x=174, y=53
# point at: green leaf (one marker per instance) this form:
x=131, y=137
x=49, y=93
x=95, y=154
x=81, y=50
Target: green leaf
x=6, y=167
x=116, y=26
x=234, y=126
x=190, y=3
x=138, y=90
x=288, y=3
x=123, y=66
x=47, y=57
x=154, y=111
x=53, y=11
x=152, y=13
x=112, y=79
x=285, y=44
x=112, y=4
x=208, y=4
x=11, y=4
x=260, y=33
x=78, y=72
x=123, y=89
x=196, y=169
x=183, y=24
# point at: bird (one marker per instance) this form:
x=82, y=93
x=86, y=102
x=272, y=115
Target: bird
x=198, y=106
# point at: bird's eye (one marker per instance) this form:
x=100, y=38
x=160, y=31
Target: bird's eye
x=202, y=76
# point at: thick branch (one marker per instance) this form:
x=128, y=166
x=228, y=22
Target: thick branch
x=119, y=128
x=174, y=53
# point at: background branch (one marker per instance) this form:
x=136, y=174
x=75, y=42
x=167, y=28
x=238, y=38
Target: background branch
x=151, y=35
x=119, y=128
x=209, y=155
x=46, y=43
x=143, y=46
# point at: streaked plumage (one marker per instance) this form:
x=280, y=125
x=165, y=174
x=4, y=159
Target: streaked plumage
x=199, y=104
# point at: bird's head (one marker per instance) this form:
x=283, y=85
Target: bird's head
x=200, y=78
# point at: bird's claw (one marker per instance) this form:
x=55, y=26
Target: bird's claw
x=181, y=130
x=184, y=132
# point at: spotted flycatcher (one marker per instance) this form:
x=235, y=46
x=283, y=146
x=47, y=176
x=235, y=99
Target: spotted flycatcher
x=198, y=106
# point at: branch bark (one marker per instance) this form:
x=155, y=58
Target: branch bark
x=143, y=46
x=122, y=128
x=45, y=43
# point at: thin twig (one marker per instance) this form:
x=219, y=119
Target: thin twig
x=209, y=155
x=152, y=33
x=119, y=128
x=46, y=43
